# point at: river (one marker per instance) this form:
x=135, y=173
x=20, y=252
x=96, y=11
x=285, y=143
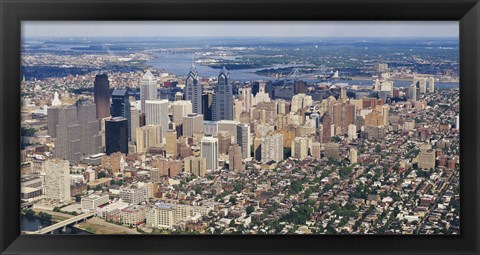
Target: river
x=33, y=224
x=180, y=64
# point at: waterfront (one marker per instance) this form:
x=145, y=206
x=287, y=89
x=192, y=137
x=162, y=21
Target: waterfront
x=180, y=64
x=33, y=224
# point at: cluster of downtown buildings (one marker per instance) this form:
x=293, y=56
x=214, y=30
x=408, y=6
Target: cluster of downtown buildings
x=230, y=158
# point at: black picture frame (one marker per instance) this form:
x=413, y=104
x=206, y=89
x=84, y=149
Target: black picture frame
x=12, y=12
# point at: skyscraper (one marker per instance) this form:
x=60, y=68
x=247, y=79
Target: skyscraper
x=412, y=92
x=148, y=136
x=134, y=123
x=209, y=151
x=148, y=89
x=300, y=147
x=180, y=109
x=235, y=162
x=156, y=113
x=243, y=139
x=171, y=143
x=207, y=101
x=223, y=98
x=327, y=128
x=245, y=96
x=193, y=90
x=121, y=107
x=101, y=95
x=57, y=180
x=116, y=135
x=192, y=123
x=77, y=131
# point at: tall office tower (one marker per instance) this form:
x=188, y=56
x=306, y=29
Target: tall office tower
x=331, y=150
x=148, y=136
x=412, y=92
x=300, y=147
x=171, y=143
x=192, y=123
x=193, y=90
x=207, y=101
x=57, y=180
x=101, y=95
x=148, y=89
x=343, y=115
x=134, y=123
x=195, y=165
x=353, y=155
x=431, y=84
x=77, y=131
x=457, y=122
x=229, y=126
x=209, y=151
x=235, y=162
x=121, y=107
x=243, y=139
x=301, y=101
x=327, y=128
x=223, y=98
x=116, y=135
x=245, y=96
x=180, y=109
x=89, y=128
x=156, y=113
x=352, y=132
x=272, y=148
x=52, y=120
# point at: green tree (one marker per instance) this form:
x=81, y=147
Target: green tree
x=250, y=209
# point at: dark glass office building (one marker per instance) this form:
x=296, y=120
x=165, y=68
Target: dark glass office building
x=121, y=107
x=101, y=95
x=116, y=135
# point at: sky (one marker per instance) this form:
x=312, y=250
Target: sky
x=240, y=28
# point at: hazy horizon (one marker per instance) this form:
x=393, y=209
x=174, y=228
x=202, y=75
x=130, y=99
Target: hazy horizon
x=239, y=29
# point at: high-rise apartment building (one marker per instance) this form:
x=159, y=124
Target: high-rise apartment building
x=57, y=180
x=272, y=148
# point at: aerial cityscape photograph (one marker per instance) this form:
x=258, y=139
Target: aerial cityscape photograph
x=240, y=127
